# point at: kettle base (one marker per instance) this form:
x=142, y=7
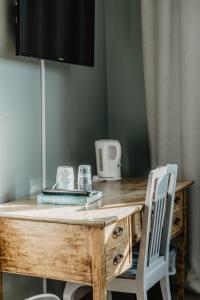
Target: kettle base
x=112, y=178
x=98, y=179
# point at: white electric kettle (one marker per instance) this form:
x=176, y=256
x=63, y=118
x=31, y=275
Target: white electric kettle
x=108, y=158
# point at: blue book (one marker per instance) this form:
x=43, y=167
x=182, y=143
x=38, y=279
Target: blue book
x=76, y=200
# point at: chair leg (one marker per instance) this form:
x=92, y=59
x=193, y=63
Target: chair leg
x=165, y=288
x=109, y=293
x=141, y=295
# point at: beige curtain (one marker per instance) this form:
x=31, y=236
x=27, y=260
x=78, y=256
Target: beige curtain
x=171, y=49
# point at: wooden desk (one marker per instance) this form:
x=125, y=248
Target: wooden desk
x=66, y=243
x=79, y=244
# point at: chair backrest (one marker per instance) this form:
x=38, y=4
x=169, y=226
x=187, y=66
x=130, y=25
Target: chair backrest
x=157, y=220
x=44, y=297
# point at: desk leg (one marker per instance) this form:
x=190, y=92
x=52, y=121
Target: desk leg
x=99, y=265
x=182, y=253
x=99, y=293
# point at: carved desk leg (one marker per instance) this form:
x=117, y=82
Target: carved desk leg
x=98, y=265
x=182, y=253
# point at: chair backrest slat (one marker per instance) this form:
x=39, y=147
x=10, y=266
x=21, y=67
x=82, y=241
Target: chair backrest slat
x=161, y=222
x=157, y=219
x=158, y=213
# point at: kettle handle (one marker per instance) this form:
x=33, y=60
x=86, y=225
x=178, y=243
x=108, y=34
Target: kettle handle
x=117, y=146
x=119, y=151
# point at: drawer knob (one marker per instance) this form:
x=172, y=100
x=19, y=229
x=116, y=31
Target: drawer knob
x=117, y=232
x=117, y=259
x=177, y=200
x=177, y=221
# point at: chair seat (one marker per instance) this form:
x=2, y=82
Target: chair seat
x=128, y=274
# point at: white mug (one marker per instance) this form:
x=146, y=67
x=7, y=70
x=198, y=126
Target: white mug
x=65, y=178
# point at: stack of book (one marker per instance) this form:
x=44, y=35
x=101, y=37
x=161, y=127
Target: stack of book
x=69, y=199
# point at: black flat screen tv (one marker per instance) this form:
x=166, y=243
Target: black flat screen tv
x=60, y=30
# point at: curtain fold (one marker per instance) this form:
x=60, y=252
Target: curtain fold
x=171, y=52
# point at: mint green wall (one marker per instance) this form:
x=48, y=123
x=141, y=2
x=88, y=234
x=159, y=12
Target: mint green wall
x=126, y=98
x=19, y=134
x=76, y=117
x=80, y=101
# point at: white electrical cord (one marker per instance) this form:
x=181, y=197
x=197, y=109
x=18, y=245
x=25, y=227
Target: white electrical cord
x=43, y=121
x=43, y=136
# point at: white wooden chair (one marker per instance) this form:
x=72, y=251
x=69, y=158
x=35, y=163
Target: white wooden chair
x=154, y=246
x=153, y=258
x=44, y=297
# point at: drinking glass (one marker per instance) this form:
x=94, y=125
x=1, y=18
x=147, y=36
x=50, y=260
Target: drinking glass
x=65, y=178
x=84, y=178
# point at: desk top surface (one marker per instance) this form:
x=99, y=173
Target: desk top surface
x=121, y=199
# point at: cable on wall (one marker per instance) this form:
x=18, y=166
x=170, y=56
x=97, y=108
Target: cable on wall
x=43, y=136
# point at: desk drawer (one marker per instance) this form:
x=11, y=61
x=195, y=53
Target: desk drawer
x=118, y=260
x=116, y=233
x=177, y=222
x=178, y=201
x=118, y=243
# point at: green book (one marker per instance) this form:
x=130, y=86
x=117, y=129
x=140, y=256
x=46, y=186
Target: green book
x=78, y=200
